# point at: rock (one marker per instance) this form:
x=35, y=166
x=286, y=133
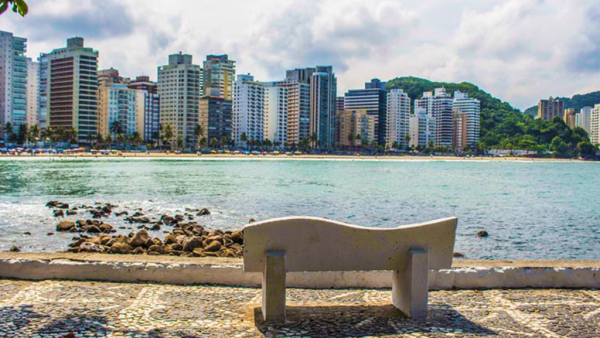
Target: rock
x=191, y=243
x=68, y=335
x=252, y=220
x=71, y=212
x=213, y=246
x=90, y=247
x=61, y=205
x=138, y=214
x=192, y=209
x=50, y=234
x=121, y=248
x=105, y=227
x=139, y=250
x=14, y=248
x=203, y=212
x=227, y=253
x=170, y=239
x=65, y=226
x=58, y=213
x=80, y=223
x=237, y=237
x=51, y=204
x=92, y=229
x=155, y=227
x=176, y=247
x=122, y=213
x=482, y=233
x=27, y=233
x=198, y=252
x=156, y=248
x=458, y=255
x=139, y=238
x=157, y=241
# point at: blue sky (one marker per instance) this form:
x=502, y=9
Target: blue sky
x=518, y=50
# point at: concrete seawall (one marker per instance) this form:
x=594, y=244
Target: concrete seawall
x=177, y=270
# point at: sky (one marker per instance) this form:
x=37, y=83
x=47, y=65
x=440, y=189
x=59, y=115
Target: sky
x=517, y=50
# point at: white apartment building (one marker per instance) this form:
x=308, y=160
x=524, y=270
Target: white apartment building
x=276, y=112
x=595, y=125
x=583, y=118
x=13, y=81
x=32, y=92
x=421, y=129
x=119, y=103
x=248, y=109
x=398, y=114
x=463, y=104
x=439, y=105
x=179, y=90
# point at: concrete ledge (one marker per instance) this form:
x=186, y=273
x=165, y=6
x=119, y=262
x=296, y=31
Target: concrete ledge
x=176, y=270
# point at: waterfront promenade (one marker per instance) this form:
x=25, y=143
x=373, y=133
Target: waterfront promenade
x=90, y=309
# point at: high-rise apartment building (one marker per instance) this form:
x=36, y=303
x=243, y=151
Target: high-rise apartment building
x=297, y=84
x=373, y=99
x=106, y=77
x=323, y=96
x=151, y=106
x=42, y=100
x=459, y=131
x=13, y=81
x=570, y=117
x=398, y=114
x=595, y=125
x=118, y=103
x=179, y=90
x=216, y=119
x=549, y=109
x=421, y=129
x=470, y=107
x=248, y=109
x=439, y=105
x=32, y=92
x=276, y=112
x=355, y=127
x=73, y=88
x=218, y=76
x=583, y=118
x=340, y=103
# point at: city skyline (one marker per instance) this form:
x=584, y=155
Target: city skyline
x=477, y=41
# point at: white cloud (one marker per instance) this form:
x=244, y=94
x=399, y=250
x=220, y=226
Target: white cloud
x=518, y=50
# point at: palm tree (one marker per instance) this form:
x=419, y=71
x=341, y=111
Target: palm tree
x=109, y=140
x=223, y=141
x=136, y=138
x=244, y=139
x=202, y=142
x=8, y=131
x=407, y=139
x=180, y=143
x=313, y=139
x=214, y=142
x=48, y=134
x=121, y=139
x=60, y=133
x=198, y=132
x=99, y=139
x=116, y=127
x=72, y=135
x=351, y=139
x=34, y=133
x=167, y=134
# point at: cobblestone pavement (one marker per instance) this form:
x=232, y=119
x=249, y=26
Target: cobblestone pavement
x=86, y=309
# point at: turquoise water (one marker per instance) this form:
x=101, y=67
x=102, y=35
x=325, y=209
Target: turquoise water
x=532, y=210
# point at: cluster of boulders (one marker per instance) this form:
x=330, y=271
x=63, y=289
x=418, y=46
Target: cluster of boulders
x=61, y=209
x=189, y=241
x=89, y=226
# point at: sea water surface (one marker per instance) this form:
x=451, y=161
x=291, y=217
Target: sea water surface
x=532, y=210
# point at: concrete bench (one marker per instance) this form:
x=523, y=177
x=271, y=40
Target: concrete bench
x=282, y=245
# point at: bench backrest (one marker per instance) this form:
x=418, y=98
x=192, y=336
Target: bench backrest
x=318, y=244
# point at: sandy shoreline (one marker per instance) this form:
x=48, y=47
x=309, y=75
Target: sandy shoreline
x=160, y=155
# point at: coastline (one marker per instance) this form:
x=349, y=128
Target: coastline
x=397, y=158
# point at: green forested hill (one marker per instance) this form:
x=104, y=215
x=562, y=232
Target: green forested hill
x=577, y=102
x=503, y=126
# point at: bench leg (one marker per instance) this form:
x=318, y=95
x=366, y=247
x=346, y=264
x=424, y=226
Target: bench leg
x=273, y=288
x=410, y=287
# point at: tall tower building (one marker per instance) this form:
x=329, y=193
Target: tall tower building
x=118, y=103
x=439, y=105
x=570, y=117
x=595, y=125
x=421, y=129
x=216, y=119
x=179, y=90
x=151, y=107
x=276, y=112
x=354, y=127
x=297, y=82
x=323, y=97
x=13, y=81
x=42, y=100
x=398, y=114
x=248, y=109
x=463, y=104
x=218, y=76
x=459, y=131
x=73, y=88
x=32, y=92
x=373, y=99
x=549, y=109
x=583, y=118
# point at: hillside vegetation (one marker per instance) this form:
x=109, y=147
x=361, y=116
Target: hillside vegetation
x=505, y=127
x=577, y=102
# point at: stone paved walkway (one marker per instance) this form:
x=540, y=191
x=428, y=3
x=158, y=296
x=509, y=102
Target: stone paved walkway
x=84, y=309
